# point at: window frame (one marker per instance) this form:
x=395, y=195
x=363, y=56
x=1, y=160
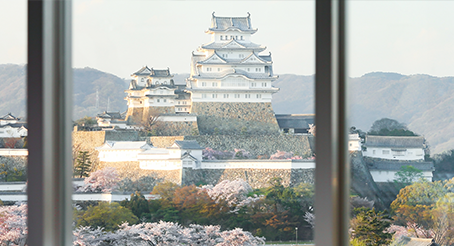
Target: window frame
x=49, y=112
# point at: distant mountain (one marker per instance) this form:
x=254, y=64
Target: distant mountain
x=86, y=82
x=425, y=103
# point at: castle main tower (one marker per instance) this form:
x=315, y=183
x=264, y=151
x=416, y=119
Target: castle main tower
x=230, y=82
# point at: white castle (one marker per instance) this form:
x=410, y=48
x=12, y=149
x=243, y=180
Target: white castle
x=229, y=68
x=228, y=77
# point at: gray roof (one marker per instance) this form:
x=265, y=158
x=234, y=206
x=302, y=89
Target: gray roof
x=242, y=24
x=153, y=72
x=394, y=142
x=396, y=165
x=187, y=144
x=240, y=61
x=110, y=115
x=124, y=145
x=223, y=45
x=233, y=71
x=9, y=116
x=294, y=121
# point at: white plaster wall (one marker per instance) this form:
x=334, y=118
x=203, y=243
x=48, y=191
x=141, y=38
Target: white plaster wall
x=409, y=154
x=354, y=145
x=389, y=176
x=258, y=164
x=118, y=155
x=11, y=132
x=160, y=164
x=178, y=118
x=13, y=152
x=198, y=97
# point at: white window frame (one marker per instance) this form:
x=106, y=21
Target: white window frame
x=49, y=115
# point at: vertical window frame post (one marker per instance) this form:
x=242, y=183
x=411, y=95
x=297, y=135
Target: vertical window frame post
x=49, y=116
x=332, y=178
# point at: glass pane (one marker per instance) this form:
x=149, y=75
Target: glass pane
x=183, y=116
x=401, y=83
x=13, y=122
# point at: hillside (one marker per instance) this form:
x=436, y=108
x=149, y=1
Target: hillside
x=423, y=102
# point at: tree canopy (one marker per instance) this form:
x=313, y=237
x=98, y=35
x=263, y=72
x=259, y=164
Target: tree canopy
x=389, y=127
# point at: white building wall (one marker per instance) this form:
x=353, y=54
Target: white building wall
x=388, y=153
x=118, y=155
x=389, y=176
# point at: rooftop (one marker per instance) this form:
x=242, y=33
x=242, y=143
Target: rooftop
x=124, y=145
x=242, y=24
x=151, y=72
x=394, y=141
x=294, y=121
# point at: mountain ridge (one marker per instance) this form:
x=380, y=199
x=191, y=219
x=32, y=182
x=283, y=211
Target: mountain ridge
x=421, y=101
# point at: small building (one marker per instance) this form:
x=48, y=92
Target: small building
x=8, y=119
x=111, y=119
x=13, y=130
x=354, y=142
x=394, y=147
x=385, y=171
x=295, y=123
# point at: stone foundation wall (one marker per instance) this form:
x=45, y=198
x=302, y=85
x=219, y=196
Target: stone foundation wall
x=132, y=170
x=257, y=144
x=257, y=178
x=180, y=128
x=235, y=118
x=140, y=114
x=163, y=142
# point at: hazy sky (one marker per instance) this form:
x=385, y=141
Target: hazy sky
x=408, y=37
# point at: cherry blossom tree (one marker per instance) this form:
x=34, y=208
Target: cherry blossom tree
x=104, y=180
x=282, y=155
x=13, y=225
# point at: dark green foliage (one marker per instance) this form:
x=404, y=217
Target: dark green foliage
x=144, y=183
x=83, y=165
x=389, y=127
x=86, y=121
x=444, y=162
x=106, y=215
x=12, y=169
x=138, y=206
x=369, y=227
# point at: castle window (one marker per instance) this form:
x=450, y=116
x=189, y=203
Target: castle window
x=208, y=69
x=385, y=152
x=140, y=102
x=157, y=100
x=214, y=84
x=219, y=69
x=231, y=37
x=248, y=69
x=241, y=55
x=259, y=95
x=236, y=37
x=222, y=37
x=241, y=37
x=179, y=109
x=204, y=95
x=165, y=83
x=258, y=69
x=226, y=95
x=247, y=96
x=263, y=84
x=237, y=95
x=142, y=80
x=204, y=83
x=185, y=109
x=214, y=95
x=253, y=84
x=165, y=100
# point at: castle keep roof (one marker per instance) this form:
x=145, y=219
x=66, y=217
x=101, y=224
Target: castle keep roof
x=242, y=24
x=394, y=142
x=151, y=72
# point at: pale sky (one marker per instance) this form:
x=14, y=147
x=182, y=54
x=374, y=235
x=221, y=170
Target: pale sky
x=119, y=36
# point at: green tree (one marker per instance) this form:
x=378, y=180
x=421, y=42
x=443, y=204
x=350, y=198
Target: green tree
x=370, y=227
x=107, y=216
x=83, y=165
x=86, y=121
x=138, y=206
x=407, y=175
x=389, y=127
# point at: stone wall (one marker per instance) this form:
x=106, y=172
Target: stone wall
x=256, y=144
x=163, y=142
x=179, y=128
x=235, y=118
x=140, y=114
x=132, y=170
x=257, y=178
